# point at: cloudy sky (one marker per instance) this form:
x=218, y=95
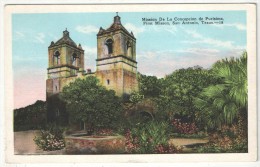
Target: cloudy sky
x=160, y=49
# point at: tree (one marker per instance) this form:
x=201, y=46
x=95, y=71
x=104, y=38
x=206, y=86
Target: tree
x=226, y=102
x=30, y=117
x=179, y=90
x=149, y=86
x=91, y=103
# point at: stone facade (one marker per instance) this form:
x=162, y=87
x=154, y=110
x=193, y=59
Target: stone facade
x=116, y=58
x=95, y=144
x=116, y=66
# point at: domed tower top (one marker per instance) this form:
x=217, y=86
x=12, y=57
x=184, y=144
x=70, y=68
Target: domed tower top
x=65, y=57
x=66, y=33
x=115, y=26
x=65, y=39
x=117, y=19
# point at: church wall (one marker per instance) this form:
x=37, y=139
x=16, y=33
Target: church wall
x=62, y=71
x=111, y=79
x=82, y=60
x=63, y=59
x=120, y=44
x=115, y=63
x=130, y=82
x=60, y=83
x=50, y=57
x=49, y=87
x=122, y=77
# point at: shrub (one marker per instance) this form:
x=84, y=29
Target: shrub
x=228, y=139
x=166, y=148
x=136, y=97
x=151, y=137
x=49, y=140
x=230, y=147
x=184, y=128
x=137, y=113
x=131, y=142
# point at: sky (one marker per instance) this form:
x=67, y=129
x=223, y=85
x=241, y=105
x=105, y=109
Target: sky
x=161, y=49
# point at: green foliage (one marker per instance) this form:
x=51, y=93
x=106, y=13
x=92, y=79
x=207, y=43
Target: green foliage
x=144, y=138
x=89, y=102
x=209, y=98
x=179, y=90
x=226, y=140
x=139, y=113
x=222, y=103
x=229, y=146
x=30, y=117
x=51, y=139
x=136, y=97
x=184, y=128
x=234, y=74
x=149, y=86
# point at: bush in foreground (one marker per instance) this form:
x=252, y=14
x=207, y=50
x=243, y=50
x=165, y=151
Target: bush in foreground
x=151, y=137
x=227, y=140
x=51, y=139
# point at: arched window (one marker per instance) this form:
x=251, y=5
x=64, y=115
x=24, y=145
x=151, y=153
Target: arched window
x=129, y=49
x=56, y=58
x=74, y=59
x=109, y=44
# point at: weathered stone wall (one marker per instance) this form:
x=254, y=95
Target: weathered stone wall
x=95, y=145
x=130, y=82
x=119, y=76
x=111, y=79
x=55, y=85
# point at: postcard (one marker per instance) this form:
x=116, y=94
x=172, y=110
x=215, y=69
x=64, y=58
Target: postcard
x=130, y=83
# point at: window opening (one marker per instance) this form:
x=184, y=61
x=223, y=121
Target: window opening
x=108, y=81
x=109, y=44
x=56, y=57
x=129, y=49
x=74, y=59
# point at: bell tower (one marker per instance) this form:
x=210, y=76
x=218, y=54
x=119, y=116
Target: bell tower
x=65, y=62
x=66, y=59
x=116, y=58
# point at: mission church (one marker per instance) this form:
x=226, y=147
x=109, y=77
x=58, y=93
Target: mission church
x=116, y=66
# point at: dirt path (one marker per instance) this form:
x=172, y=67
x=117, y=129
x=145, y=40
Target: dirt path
x=185, y=141
x=187, y=144
x=23, y=142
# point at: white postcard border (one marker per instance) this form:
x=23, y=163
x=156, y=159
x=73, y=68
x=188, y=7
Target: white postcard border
x=252, y=115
